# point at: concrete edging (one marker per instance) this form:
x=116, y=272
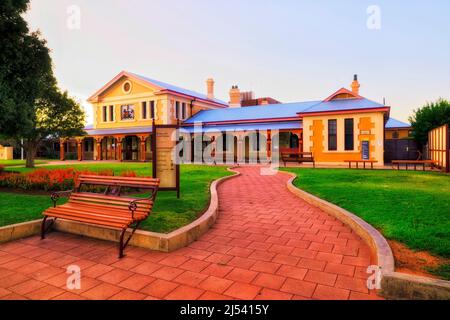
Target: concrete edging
x=394, y=285
x=145, y=239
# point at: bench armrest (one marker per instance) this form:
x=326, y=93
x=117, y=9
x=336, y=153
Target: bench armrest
x=55, y=195
x=133, y=205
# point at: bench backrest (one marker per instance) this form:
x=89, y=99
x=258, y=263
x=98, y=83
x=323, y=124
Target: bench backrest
x=106, y=203
x=115, y=184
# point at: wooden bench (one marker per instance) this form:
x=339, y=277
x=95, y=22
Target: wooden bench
x=360, y=161
x=108, y=209
x=298, y=157
x=432, y=163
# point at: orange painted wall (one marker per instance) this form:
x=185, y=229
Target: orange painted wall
x=402, y=133
x=367, y=127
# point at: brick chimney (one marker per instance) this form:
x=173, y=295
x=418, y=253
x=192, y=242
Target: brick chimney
x=235, y=97
x=355, y=85
x=210, y=88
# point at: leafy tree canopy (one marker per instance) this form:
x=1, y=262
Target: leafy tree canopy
x=32, y=106
x=430, y=116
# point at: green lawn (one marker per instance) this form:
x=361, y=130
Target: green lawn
x=407, y=206
x=169, y=212
x=18, y=162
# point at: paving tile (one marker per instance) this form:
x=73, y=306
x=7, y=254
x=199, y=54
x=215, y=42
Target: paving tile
x=96, y=270
x=208, y=295
x=45, y=293
x=126, y=294
x=325, y=278
x=146, y=268
x=190, y=278
x=184, y=293
x=267, y=267
x=299, y=287
x=353, y=284
x=167, y=273
x=243, y=291
x=292, y=272
x=330, y=293
x=136, y=282
x=115, y=276
x=195, y=265
x=242, y=275
x=270, y=281
x=215, y=284
x=27, y=286
x=101, y=292
x=159, y=288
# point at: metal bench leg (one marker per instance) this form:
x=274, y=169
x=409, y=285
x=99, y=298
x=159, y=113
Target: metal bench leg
x=123, y=244
x=44, y=229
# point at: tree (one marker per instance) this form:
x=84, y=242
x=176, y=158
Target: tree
x=32, y=107
x=430, y=116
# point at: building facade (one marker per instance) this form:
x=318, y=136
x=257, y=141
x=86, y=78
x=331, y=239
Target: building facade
x=343, y=126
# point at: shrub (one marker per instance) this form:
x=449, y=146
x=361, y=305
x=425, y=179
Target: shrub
x=49, y=180
x=2, y=168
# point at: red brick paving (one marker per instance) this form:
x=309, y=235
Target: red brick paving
x=266, y=244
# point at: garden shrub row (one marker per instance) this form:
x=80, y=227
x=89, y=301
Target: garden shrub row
x=49, y=179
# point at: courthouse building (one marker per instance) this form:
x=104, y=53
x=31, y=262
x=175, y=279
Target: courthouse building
x=342, y=126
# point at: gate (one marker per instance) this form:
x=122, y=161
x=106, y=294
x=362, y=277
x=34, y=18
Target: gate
x=400, y=149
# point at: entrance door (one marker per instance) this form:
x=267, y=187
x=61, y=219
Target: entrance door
x=131, y=147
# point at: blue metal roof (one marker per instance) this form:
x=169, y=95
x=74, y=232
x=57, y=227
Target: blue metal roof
x=282, y=110
x=393, y=123
x=129, y=130
x=246, y=127
x=261, y=112
x=344, y=104
x=178, y=89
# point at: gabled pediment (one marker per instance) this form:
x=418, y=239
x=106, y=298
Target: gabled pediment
x=343, y=94
x=124, y=83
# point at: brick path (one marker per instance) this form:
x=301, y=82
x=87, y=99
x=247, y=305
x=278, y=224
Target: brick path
x=267, y=244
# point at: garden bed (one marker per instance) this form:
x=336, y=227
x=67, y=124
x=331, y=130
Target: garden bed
x=169, y=212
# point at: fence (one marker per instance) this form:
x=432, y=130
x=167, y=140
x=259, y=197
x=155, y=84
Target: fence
x=439, y=145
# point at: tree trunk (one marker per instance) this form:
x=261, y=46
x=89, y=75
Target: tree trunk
x=31, y=148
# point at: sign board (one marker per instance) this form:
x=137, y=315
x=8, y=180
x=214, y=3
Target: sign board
x=164, y=141
x=365, y=145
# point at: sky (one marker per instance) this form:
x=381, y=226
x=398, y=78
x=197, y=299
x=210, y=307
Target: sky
x=289, y=50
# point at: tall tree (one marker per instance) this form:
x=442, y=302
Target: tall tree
x=31, y=105
x=430, y=116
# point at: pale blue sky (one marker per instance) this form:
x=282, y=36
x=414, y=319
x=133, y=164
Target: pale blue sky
x=289, y=50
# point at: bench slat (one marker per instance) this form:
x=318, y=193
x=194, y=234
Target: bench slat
x=107, y=206
x=90, y=213
x=87, y=220
x=104, y=210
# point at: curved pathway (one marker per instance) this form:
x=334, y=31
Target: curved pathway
x=266, y=244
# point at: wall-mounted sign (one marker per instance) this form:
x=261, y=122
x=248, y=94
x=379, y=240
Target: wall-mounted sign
x=365, y=152
x=164, y=141
x=365, y=132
